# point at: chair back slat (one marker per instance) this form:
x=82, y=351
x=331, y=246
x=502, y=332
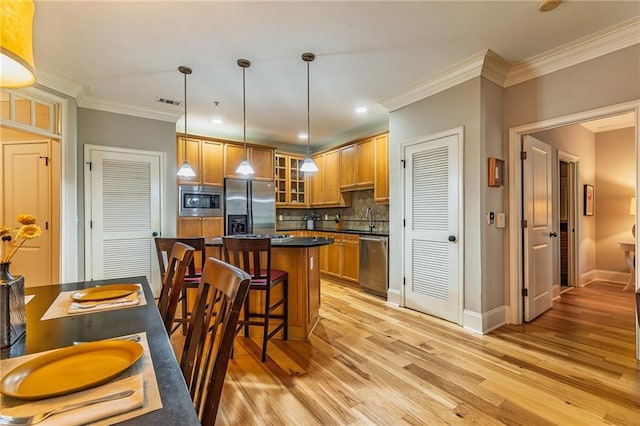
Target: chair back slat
x=165, y=244
x=209, y=340
x=180, y=257
x=253, y=255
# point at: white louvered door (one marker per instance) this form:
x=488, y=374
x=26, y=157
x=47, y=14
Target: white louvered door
x=124, y=212
x=432, y=176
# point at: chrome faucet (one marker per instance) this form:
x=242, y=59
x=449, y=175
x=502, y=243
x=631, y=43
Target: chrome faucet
x=369, y=215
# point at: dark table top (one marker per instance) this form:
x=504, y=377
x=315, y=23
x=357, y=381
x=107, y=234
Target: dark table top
x=284, y=242
x=62, y=332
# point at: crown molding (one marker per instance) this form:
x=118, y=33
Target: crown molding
x=490, y=65
x=369, y=129
x=86, y=99
x=595, y=45
x=485, y=63
x=62, y=83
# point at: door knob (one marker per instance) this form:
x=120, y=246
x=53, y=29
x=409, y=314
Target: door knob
x=155, y=234
x=452, y=238
x=553, y=234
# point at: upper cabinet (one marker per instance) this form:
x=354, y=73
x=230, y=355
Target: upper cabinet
x=292, y=185
x=325, y=183
x=206, y=158
x=260, y=158
x=357, y=165
x=381, y=182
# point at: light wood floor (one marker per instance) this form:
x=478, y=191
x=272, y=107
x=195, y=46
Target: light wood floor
x=368, y=363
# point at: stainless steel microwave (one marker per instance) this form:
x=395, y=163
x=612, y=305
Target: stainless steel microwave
x=198, y=200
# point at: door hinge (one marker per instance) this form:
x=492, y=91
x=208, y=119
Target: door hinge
x=46, y=160
x=525, y=292
x=90, y=224
x=524, y=223
x=404, y=280
x=523, y=155
x=90, y=165
x=404, y=164
x=46, y=225
x=404, y=222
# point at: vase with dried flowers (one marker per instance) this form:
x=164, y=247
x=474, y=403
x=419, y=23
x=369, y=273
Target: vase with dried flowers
x=12, y=238
x=12, y=309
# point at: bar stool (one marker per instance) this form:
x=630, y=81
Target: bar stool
x=179, y=259
x=192, y=275
x=254, y=256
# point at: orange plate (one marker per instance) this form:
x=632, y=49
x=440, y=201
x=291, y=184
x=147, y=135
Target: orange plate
x=105, y=292
x=70, y=369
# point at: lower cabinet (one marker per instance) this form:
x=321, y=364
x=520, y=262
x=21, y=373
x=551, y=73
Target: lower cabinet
x=342, y=258
x=200, y=226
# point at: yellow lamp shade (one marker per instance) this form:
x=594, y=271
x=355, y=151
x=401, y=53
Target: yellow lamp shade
x=16, y=43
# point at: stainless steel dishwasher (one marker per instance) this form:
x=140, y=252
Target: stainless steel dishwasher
x=374, y=264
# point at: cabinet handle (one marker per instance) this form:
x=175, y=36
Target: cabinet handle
x=553, y=234
x=452, y=238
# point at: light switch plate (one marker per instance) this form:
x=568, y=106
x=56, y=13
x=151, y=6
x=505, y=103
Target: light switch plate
x=500, y=220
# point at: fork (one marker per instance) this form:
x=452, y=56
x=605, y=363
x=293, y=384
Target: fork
x=93, y=305
x=37, y=418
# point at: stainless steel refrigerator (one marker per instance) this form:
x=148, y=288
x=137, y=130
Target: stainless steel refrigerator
x=250, y=207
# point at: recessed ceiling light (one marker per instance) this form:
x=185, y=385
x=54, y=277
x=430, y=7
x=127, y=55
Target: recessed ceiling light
x=217, y=120
x=548, y=5
x=361, y=110
x=302, y=135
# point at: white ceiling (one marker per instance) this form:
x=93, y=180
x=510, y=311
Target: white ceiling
x=130, y=52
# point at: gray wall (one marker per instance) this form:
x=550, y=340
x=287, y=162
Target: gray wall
x=124, y=131
x=615, y=185
x=608, y=80
x=455, y=107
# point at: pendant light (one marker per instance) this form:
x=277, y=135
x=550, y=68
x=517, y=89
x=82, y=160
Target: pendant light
x=16, y=44
x=185, y=170
x=308, y=166
x=244, y=168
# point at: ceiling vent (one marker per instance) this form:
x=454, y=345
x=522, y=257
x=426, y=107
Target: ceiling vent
x=169, y=101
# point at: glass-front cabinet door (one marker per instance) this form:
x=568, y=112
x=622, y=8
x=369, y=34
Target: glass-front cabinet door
x=291, y=183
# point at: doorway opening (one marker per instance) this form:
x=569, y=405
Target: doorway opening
x=516, y=243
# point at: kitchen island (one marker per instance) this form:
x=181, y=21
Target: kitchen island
x=300, y=257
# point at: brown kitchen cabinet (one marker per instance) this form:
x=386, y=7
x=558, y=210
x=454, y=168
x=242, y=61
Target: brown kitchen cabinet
x=260, y=158
x=206, y=158
x=357, y=165
x=342, y=258
x=325, y=183
x=381, y=182
x=291, y=184
x=200, y=226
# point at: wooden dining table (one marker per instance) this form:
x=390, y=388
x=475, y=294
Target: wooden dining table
x=177, y=406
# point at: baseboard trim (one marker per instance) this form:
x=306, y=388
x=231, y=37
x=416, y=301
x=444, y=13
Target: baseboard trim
x=485, y=322
x=603, y=275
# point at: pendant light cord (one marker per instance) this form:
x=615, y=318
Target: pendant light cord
x=308, y=115
x=244, y=114
x=185, y=116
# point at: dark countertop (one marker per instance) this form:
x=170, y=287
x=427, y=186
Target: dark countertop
x=352, y=232
x=177, y=406
x=289, y=242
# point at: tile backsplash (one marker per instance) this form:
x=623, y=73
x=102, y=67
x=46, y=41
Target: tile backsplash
x=353, y=218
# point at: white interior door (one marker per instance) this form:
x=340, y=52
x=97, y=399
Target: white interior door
x=122, y=196
x=538, y=233
x=27, y=185
x=432, y=249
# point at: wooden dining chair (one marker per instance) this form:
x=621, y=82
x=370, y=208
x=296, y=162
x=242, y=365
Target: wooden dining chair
x=192, y=275
x=212, y=329
x=179, y=259
x=253, y=255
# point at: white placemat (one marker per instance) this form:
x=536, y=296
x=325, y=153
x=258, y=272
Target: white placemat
x=61, y=305
x=144, y=366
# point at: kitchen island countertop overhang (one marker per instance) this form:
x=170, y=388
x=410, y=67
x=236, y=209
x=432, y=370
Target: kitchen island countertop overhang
x=300, y=257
